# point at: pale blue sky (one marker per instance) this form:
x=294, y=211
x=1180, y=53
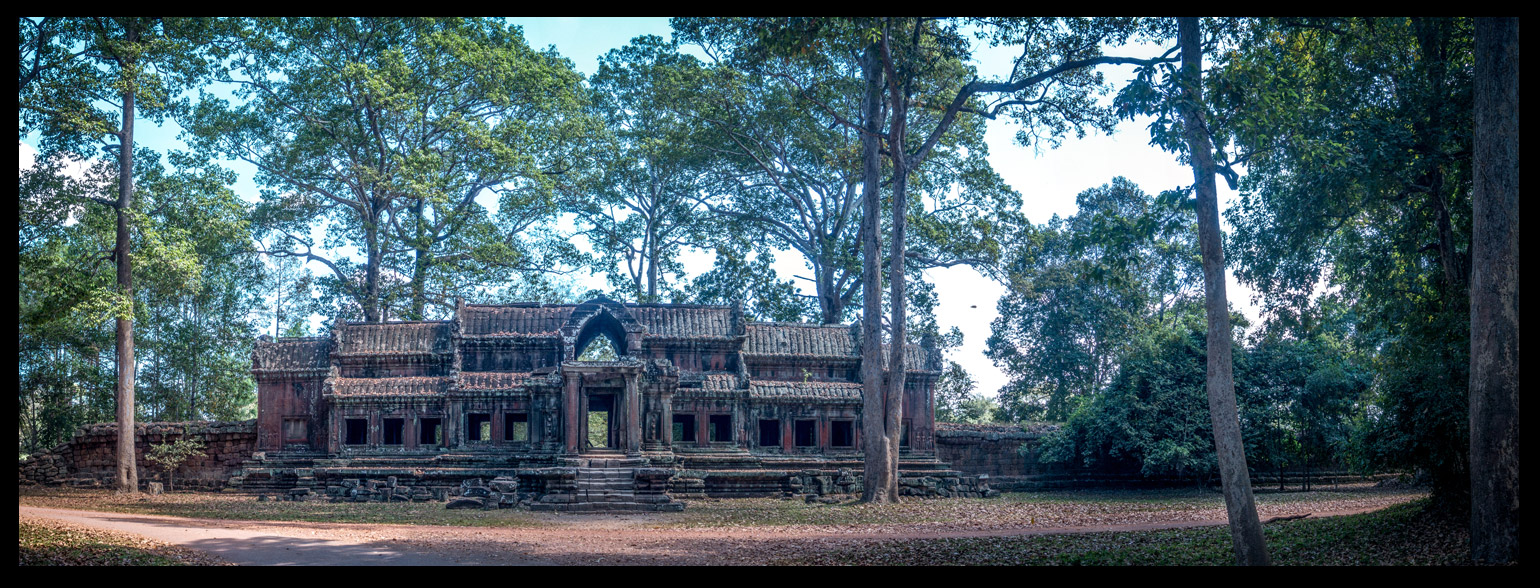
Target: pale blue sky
x=1048, y=180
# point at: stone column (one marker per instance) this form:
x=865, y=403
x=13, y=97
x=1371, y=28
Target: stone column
x=633, y=404
x=666, y=419
x=569, y=411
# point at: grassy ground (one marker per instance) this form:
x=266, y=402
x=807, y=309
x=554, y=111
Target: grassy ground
x=911, y=533
x=52, y=543
x=1400, y=535
x=1038, y=509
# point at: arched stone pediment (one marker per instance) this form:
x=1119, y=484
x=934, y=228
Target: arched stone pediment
x=602, y=317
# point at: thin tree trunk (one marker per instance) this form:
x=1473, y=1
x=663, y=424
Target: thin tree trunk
x=1245, y=528
x=877, y=484
x=128, y=471
x=1494, y=296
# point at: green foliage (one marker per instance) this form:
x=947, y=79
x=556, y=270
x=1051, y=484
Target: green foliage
x=752, y=282
x=956, y=401
x=643, y=207
x=196, y=280
x=1300, y=404
x=386, y=131
x=1358, y=139
x=600, y=349
x=780, y=113
x=1300, y=398
x=1154, y=413
x=1084, y=290
x=171, y=456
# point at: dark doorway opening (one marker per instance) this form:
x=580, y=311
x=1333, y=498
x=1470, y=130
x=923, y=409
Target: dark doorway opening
x=478, y=427
x=842, y=434
x=806, y=433
x=770, y=432
x=357, y=431
x=430, y=432
x=684, y=428
x=392, y=432
x=601, y=421
x=721, y=427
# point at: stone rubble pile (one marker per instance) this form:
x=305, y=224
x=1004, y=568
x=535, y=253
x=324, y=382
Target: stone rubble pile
x=500, y=492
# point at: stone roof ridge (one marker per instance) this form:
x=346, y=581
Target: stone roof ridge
x=797, y=324
x=804, y=384
x=290, y=354
x=673, y=305
x=397, y=322
x=523, y=305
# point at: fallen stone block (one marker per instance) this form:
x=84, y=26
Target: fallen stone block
x=464, y=503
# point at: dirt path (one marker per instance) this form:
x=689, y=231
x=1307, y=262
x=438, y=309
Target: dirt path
x=269, y=544
x=585, y=540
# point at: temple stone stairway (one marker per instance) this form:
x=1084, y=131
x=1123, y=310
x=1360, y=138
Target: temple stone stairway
x=610, y=483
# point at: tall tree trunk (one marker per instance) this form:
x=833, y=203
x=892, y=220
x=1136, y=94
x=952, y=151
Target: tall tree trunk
x=424, y=257
x=877, y=485
x=1245, y=529
x=829, y=306
x=128, y=471
x=652, y=263
x=1494, y=296
x=372, y=270
x=898, y=300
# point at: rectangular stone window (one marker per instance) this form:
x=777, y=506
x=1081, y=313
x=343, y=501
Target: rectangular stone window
x=806, y=433
x=295, y=430
x=769, y=432
x=903, y=436
x=357, y=431
x=516, y=427
x=430, y=432
x=393, y=432
x=684, y=428
x=478, y=427
x=842, y=434
x=721, y=427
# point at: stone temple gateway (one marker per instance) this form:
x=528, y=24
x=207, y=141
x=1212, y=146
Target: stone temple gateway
x=700, y=402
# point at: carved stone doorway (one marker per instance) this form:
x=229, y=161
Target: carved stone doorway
x=599, y=421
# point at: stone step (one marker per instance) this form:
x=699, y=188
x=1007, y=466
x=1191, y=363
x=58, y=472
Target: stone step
x=607, y=507
x=626, y=475
x=606, y=498
x=605, y=484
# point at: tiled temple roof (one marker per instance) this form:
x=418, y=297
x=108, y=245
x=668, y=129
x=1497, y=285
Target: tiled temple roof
x=801, y=339
x=543, y=319
x=395, y=338
x=914, y=358
x=292, y=354
x=805, y=391
x=684, y=321
x=719, y=381
x=494, y=380
x=386, y=387
x=809, y=340
x=709, y=380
